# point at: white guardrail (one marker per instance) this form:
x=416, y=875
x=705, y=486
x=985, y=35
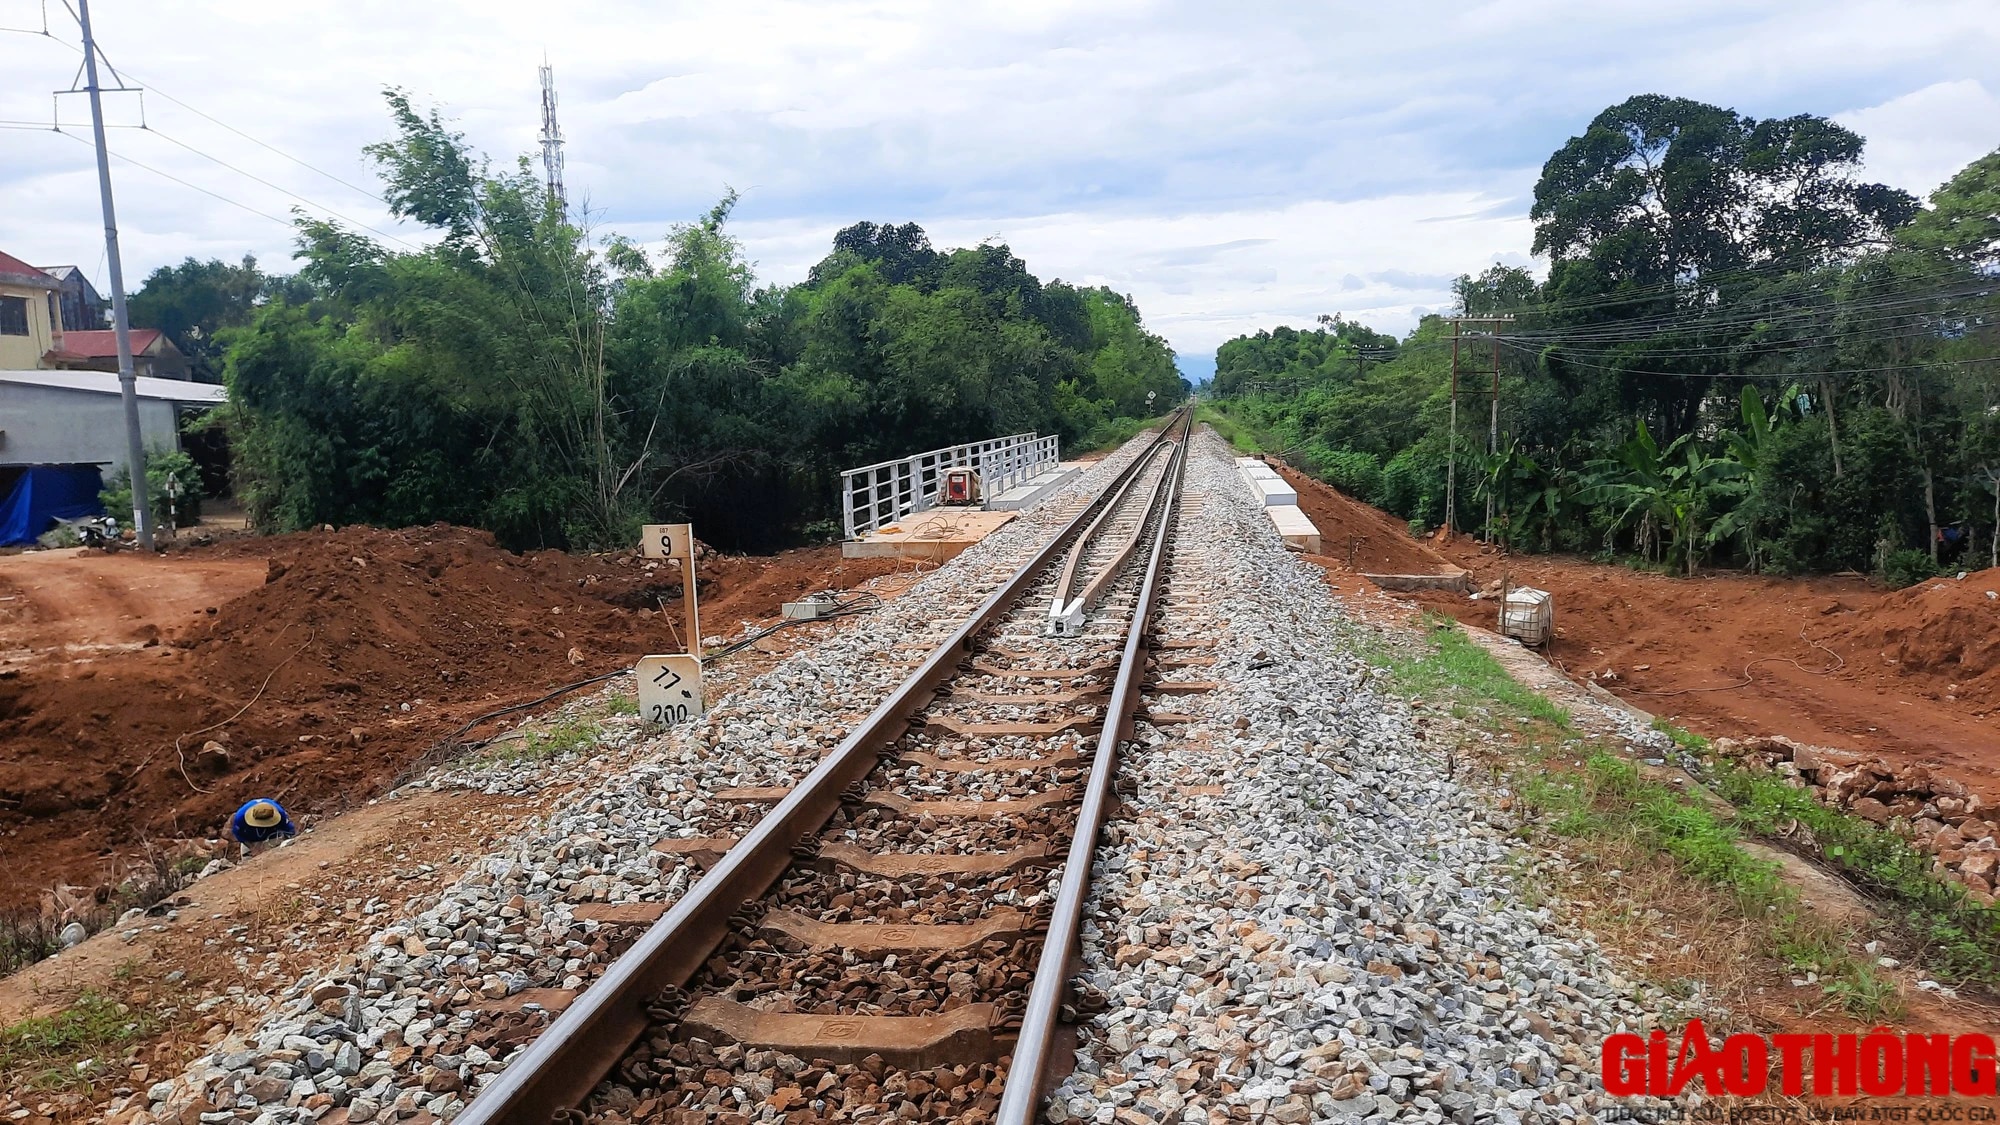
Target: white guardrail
x=875, y=496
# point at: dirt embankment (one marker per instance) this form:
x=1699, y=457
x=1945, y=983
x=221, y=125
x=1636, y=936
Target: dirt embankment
x=1911, y=675
x=339, y=659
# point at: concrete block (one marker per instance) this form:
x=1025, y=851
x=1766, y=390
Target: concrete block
x=1294, y=526
x=1275, y=493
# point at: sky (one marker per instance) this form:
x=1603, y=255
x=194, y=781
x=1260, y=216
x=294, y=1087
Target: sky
x=1231, y=166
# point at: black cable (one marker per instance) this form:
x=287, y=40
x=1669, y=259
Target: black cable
x=183, y=183
x=862, y=602
x=511, y=708
x=262, y=144
x=275, y=187
x=1772, y=375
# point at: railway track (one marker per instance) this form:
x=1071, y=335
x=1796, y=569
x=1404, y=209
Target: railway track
x=897, y=930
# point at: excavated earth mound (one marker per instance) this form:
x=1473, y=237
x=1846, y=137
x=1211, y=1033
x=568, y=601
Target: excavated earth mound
x=362, y=649
x=1912, y=676
x=1946, y=628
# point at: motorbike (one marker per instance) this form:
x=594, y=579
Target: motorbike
x=98, y=531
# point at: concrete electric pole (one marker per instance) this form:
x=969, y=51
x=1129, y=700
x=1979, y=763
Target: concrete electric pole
x=1493, y=425
x=128, y=386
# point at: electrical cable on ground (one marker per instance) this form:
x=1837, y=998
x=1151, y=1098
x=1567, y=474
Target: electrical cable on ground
x=452, y=745
x=536, y=702
x=179, y=739
x=1748, y=679
x=862, y=602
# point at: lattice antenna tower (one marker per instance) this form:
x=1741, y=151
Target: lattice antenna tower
x=552, y=139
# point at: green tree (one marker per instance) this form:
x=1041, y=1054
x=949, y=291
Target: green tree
x=1963, y=221
x=194, y=302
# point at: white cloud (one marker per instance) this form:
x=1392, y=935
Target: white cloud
x=1919, y=140
x=1230, y=165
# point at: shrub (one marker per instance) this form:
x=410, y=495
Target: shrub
x=1355, y=473
x=1405, y=488
x=160, y=465
x=1907, y=568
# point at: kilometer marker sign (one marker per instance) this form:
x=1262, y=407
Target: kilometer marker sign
x=669, y=688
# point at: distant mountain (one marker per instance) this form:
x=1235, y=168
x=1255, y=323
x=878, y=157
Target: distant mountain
x=1196, y=369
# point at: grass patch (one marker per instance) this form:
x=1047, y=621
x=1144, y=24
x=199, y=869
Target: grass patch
x=1960, y=938
x=27, y=936
x=1231, y=430
x=1454, y=667
x=1112, y=433
x=1682, y=737
x=623, y=704
x=1650, y=860
x=51, y=1051
x=540, y=745
x=30, y=934
x=1622, y=825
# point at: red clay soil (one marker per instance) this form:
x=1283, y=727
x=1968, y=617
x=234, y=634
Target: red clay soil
x=1912, y=675
x=356, y=652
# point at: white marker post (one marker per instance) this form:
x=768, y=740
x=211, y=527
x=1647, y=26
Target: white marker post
x=670, y=689
x=670, y=685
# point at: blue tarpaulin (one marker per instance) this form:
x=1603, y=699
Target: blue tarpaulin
x=45, y=494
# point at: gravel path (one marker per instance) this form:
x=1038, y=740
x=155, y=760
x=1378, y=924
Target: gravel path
x=1336, y=934
x=401, y=1030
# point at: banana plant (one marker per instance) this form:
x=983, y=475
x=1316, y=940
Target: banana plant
x=1512, y=475
x=1668, y=490
x=1751, y=450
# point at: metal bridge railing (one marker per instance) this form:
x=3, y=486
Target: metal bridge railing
x=875, y=496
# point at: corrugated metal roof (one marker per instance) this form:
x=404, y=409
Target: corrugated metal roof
x=106, y=382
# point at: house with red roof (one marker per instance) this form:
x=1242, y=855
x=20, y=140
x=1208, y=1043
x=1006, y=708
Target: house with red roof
x=153, y=354
x=34, y=311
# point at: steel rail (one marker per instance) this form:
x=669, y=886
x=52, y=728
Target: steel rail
x=1020, y=1096
x=1073, y=615
x=575, y=1052
x=1066, y=612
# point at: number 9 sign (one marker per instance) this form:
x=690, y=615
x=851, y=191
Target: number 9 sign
x=667, y=541
x=669, y=689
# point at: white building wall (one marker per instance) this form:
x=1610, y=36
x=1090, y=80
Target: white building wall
x=55, y=426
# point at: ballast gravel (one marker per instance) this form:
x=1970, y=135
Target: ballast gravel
x=1333, y=935
x=401, y=1030
x=1331, y=930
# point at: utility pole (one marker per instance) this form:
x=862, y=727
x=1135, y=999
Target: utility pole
x=121, y=324
x=1493, y=430
x=1451, y=457
x=1493, y=422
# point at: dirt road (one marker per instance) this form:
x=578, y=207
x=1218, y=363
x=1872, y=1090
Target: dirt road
x=69, y=605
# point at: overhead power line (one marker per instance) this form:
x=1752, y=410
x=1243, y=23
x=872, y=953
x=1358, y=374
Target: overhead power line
x=150, y=87
x=282, y=190
x=190, y=186
x=315, y=169
x=1834, y=373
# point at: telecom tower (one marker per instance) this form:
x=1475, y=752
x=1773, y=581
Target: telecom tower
x=552, y=139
